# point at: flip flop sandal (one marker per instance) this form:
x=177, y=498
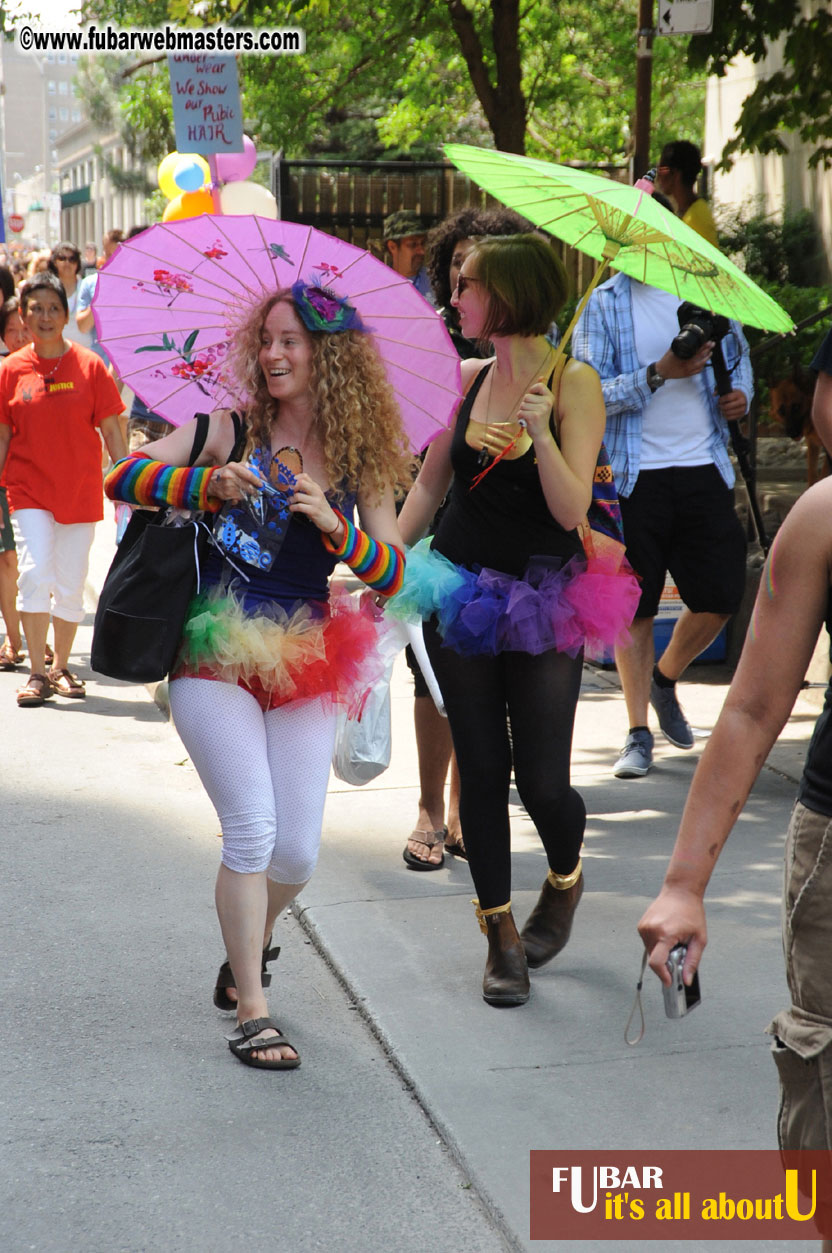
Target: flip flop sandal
x=225, y=979
x=456, y=848
x=432, y=838
x=243, y=1042
x=9, y=658
x=36, y=691
x=67, y=684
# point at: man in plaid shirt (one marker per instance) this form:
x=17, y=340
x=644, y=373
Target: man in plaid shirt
x=667, y=438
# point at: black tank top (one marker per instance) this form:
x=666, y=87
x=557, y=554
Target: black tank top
x=815, y=790
x=504, y=520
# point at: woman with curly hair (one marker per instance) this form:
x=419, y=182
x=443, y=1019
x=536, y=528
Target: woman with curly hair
x=448, y=245
x=267, y=651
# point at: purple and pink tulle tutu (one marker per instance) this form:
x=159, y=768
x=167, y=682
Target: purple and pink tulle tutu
x=579, y=603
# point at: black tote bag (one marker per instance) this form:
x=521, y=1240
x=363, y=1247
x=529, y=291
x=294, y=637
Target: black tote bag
x=148, y=588
x=145, y=597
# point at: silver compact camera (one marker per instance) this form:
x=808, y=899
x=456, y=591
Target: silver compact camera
x=679, y=999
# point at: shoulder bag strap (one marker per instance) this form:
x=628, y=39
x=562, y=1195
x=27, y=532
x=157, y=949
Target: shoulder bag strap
x=239, y=437
x=200, y=436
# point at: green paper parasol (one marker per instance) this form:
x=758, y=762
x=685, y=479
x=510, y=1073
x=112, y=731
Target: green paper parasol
x=623, y=226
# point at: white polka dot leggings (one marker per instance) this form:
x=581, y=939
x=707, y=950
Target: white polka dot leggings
x=265, y=773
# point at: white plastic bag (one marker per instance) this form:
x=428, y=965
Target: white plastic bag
x=363, y=744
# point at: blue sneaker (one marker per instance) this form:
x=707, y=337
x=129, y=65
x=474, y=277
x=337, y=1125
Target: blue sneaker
x=675, y=726
x=636, y=756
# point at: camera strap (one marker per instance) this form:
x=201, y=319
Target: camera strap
x=637, y=1007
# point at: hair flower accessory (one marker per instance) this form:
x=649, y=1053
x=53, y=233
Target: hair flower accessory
x=321, y=310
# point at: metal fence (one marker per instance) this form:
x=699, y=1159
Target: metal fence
x=351, y=199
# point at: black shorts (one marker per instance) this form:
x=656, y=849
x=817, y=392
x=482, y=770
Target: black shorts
x=682, y=519
x=420, y=687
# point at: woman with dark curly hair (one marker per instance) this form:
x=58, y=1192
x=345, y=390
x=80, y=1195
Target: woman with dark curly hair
x=449, y=244
x=267, y=651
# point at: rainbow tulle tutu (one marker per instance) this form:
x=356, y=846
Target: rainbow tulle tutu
x=323, y=649
x=580, y=603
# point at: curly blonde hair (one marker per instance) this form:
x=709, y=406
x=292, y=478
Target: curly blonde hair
x=357, y=421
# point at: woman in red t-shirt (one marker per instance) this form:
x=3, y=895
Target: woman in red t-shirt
x=54, y=398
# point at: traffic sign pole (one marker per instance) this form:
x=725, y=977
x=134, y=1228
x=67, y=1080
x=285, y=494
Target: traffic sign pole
x=644, y=86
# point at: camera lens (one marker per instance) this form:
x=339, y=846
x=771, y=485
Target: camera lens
x=696, y=332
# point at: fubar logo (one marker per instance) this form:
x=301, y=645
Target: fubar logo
x=605, y=1178
x=683, y=1194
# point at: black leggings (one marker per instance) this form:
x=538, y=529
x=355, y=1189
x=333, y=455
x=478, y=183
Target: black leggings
x=540, y=695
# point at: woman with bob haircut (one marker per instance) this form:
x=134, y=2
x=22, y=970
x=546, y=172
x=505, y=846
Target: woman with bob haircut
x=267, y=652
x=507, y=595
x=448, y=245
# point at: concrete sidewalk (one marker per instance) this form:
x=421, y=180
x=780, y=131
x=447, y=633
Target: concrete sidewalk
x=555, y=1073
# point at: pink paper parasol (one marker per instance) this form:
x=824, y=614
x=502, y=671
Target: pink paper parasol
x=168, y=299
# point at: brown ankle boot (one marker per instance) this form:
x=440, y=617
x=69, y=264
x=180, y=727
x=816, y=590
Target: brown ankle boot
x=506, y=978
x=550, y=922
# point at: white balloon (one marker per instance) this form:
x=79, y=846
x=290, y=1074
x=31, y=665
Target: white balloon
x=247, y=198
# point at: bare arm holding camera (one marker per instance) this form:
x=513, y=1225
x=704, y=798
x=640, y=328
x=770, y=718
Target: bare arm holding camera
x=787, y=618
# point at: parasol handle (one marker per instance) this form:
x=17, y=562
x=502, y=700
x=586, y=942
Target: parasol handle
x=582, y=303
x=215, y=182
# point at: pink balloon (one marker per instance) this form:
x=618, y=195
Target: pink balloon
x=234, y=166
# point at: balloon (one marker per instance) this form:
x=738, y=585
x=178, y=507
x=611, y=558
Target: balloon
x=233, y=167
x=191, y=173
x=247, y=198
x=165, y=175
x=189, y=205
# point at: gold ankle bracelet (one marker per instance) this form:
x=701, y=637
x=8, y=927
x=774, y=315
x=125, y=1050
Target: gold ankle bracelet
x=482, y=914
x=564, y=881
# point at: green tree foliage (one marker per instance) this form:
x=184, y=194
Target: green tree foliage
x=398, y=77
x=797, y=98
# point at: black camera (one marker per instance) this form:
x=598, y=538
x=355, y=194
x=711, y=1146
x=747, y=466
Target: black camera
x=697, y=327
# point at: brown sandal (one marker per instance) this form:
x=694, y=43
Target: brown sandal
x=36, y=691
x=67, y=684
x=10, y=657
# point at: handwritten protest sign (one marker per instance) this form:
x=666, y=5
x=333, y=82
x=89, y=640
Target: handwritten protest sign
x=207, y=114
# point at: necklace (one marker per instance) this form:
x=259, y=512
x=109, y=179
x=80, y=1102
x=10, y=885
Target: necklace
x=484, y=454
x=49, y=373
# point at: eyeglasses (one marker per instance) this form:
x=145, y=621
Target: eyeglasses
x=463, y=281
x=65, y=256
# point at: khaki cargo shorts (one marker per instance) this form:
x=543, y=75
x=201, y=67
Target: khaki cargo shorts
x=803, y=1033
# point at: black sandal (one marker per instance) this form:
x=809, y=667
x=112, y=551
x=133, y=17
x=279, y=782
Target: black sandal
x=225, y=979
x=456, y=848
x=243, y=1042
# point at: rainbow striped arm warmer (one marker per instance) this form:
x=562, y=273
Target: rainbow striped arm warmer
x=137, y=480
x=379, y=565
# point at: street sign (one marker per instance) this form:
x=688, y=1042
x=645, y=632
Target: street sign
x=685, y=17
x=16, y=222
